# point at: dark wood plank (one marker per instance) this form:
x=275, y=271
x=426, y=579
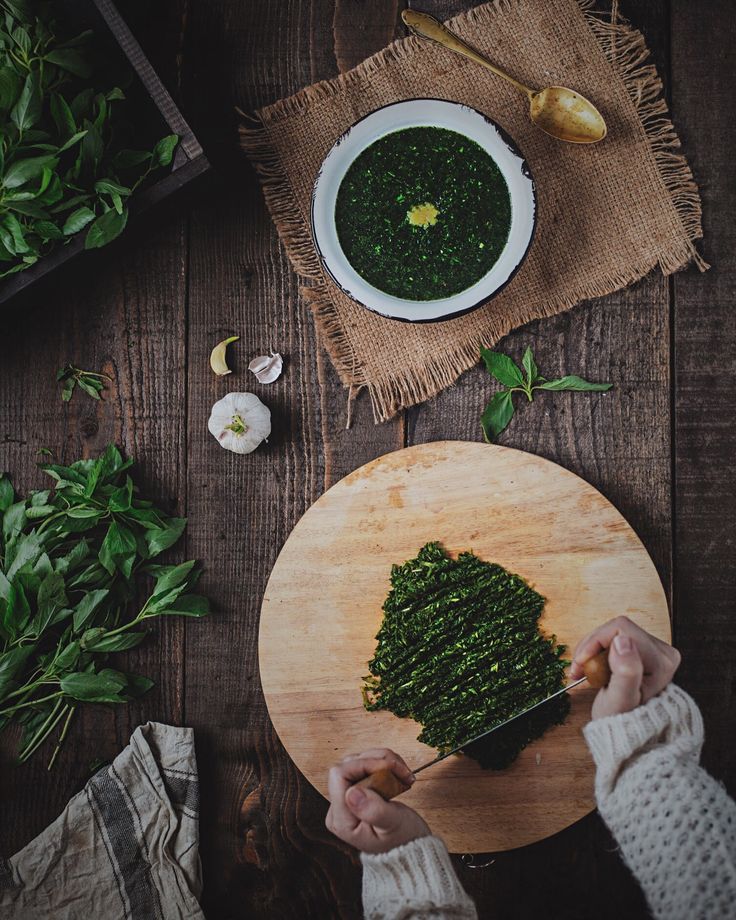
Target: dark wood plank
x=703, y=70
x=264, y=842
x=128, y=322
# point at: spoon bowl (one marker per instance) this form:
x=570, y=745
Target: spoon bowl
x=566, y=115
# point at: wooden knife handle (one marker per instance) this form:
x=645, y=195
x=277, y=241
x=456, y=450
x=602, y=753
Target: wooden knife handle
x=384, y=782
x=597, y=670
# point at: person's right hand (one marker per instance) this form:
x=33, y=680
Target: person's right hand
x=641, y=666
x=360, y=816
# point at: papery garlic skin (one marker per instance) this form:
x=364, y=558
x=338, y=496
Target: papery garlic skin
x=267, y=369
x=240, y=422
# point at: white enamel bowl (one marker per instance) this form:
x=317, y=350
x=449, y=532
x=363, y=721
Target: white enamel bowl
x=411, y=114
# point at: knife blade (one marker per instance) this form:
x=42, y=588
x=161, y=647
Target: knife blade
x=490, y=731
x=387, y=784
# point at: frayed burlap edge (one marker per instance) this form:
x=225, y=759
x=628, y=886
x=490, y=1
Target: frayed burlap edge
x=625, y=49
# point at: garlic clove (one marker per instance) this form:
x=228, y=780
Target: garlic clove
x=218, y=356
x=240, y=422
x=267, y=369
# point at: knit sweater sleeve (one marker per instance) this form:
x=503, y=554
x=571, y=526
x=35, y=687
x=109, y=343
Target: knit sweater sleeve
x=675, y=824
x=415, y=881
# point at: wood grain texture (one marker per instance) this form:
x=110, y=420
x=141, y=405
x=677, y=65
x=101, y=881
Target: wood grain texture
x=705, y=360
x=322, y=610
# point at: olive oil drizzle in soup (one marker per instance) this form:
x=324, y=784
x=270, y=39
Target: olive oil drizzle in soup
x=423, y=213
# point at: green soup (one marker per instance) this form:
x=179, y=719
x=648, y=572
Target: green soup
x=423, y=213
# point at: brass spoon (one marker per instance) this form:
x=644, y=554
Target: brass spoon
x=558, y=111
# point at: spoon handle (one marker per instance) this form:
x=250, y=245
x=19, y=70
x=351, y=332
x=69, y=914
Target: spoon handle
x=427, y=26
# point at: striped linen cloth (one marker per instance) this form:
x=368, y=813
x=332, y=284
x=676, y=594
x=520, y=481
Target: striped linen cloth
x=125, y=848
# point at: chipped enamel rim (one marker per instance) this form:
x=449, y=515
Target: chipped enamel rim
x=414, y=113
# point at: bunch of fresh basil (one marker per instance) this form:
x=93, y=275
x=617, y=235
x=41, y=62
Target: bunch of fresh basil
x=70, y=563
x=61, y=169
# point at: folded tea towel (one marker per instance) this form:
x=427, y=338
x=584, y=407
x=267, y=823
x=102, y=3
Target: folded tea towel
x=125, y=848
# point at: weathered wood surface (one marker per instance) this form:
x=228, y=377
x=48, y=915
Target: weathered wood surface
x=148, y=312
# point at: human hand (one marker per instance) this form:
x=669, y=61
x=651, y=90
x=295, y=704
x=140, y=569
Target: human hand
x=360, y=816
x=641, y=666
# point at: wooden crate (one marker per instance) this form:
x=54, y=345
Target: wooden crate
x=189, y=160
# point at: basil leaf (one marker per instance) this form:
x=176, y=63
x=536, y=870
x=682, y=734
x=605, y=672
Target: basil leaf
x=74, y=139
x=138, y=685
x=87, y=607
x=12, y=235
x=121, y=497
x=163, y=152
x=90, y=387
x=159, y=539
x=502, y=368
x=104, y=687
x=15, y=611
x=68, y=389
x=11, y=665
x=498, y=413
x=188, y=605
x=107, y=186
x=70, y=60
x=574, y=383
x=14, y=520
x=170, y=576
x=78, y=220
x=9, y=87
x=52, y=592
x=62, y=115
x=67, y=658
x=118, y=549
x=25, y=550
x=7, y=494
x=530, y=366
x=27, y=110
x=25, y=170
x=120, y=643
x=47, y=230
x=127, y=159
x=106, y=228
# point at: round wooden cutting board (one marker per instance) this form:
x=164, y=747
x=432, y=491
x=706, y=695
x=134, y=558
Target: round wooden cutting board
x=322, y=610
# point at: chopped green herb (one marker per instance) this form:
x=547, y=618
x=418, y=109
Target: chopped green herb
x=423, y=213
x=460, y=651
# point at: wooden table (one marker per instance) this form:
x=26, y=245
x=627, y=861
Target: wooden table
x=147, y=313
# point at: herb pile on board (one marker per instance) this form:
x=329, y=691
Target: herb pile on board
x=64, y=163
x=72, y=560
x=460, y=651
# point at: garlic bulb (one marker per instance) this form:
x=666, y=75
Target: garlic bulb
x=240, y=421
x=267, y=369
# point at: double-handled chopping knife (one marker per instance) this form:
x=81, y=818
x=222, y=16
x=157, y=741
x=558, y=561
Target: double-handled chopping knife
x=388, y=785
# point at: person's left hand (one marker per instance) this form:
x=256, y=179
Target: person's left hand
x=360, y=816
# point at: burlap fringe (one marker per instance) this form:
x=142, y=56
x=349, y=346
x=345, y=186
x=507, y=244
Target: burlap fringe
x=625, y=49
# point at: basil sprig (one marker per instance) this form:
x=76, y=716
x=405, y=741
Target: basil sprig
x=89, y=382
x=71, y=564
x=62, y=167
x=500, y=410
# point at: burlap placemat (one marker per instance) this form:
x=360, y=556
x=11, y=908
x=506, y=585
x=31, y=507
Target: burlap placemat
x=608, y=213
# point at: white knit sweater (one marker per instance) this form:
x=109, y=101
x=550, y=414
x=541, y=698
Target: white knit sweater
x=675, y=825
